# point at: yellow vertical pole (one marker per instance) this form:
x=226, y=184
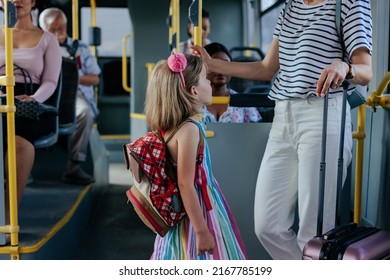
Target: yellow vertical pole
x=92, y=4
x=197, y=35
x=11, y=148
x=176, y=24
x=170, y=27
x=93, y=22
x=198, y=29
x=75, y=19
x=360, y=135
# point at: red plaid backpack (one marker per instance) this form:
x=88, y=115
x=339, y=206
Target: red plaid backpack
x=155, y=194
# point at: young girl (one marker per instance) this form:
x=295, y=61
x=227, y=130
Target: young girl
x=176, y=91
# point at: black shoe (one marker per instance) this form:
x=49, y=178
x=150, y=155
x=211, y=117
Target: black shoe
x=77, y=176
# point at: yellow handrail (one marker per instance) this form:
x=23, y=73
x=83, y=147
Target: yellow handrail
x=9, y=82
x=376, y=98
x=198, y=29
x=176, y=24
x=359, y=135
x=125, y=85
x=220, y=100
x=149, y=66
x=92, y=4
x=170, y=21
x=75, y=19
x=217, y=100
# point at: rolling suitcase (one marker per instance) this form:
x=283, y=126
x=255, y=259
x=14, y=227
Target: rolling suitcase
x=350, y=241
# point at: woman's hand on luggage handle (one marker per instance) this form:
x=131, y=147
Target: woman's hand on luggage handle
x=332, y=76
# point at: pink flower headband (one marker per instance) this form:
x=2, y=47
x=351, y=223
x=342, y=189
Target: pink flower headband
x=177, y=62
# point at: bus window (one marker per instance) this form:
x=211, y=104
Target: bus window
x=111, y=39
x=268, y=22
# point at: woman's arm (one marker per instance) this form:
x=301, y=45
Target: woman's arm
x=361, y=66
x=187, y=139
x=52, y=67
x=261, y=70
x=89, y=80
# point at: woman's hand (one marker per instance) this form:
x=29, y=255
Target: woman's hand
x=204, y=242
x=332, y=76
x=24, y=97
x=201, y=52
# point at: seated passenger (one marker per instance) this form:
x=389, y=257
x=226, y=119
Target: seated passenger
x=37, y=54
x=54, y=20
x=224, y=113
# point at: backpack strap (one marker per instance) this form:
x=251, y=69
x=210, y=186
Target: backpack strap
x=199, y=157
x=71, y=49
x=199, y=160
x=175, y=130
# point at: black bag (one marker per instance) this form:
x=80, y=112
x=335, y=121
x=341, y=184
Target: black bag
x=33, y=109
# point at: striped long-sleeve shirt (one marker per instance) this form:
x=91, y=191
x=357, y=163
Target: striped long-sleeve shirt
x=308, y=42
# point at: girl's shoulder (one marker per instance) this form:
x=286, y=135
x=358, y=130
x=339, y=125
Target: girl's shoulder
x=190, y=125
x=186, y=129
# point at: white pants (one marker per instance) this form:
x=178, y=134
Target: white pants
x=289, y=173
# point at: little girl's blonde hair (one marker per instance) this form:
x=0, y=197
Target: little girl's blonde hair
x=167, y=103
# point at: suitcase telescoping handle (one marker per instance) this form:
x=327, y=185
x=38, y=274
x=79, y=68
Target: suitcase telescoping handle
x=321, y=193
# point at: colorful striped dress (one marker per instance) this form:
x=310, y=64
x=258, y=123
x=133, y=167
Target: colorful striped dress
x=180, y=242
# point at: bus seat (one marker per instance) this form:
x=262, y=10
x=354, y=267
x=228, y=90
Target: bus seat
x=260, y=100
x=67, y=109
x=260, y=87
x=112, y=77
x=245, y=85
x=51, y=139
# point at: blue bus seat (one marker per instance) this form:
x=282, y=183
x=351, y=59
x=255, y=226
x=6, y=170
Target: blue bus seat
x=67, y=109
x=51, y=139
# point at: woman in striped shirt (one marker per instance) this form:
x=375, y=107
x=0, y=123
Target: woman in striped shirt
x=306, y=54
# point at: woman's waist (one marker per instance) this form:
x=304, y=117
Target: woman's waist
x=22, y=88
x=291, y=94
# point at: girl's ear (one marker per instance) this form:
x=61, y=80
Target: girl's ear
x=193, y=91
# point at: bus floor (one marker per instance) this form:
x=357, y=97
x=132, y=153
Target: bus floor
x=115, y=231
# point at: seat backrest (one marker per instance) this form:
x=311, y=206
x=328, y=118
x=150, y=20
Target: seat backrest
x=67, y=109
x=54, y=100
x=245, y=85
x=111, y=82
